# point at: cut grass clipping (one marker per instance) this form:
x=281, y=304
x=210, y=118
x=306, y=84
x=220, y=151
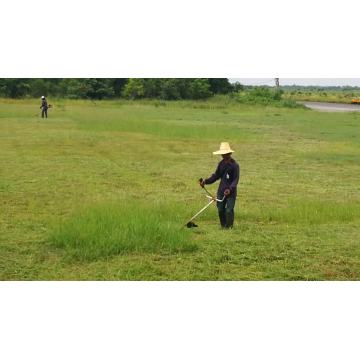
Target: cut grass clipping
x=111, y=229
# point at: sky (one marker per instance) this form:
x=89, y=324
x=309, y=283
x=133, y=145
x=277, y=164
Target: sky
x=300, y=81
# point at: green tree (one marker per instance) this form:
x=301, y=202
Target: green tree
x=87, y=88
x=134, y=89
x=237, y=87
x=118, y=86
x=199, y=89
x=39, y=87
x=220, y=86
x=170, y=89
x=14, y=88
x=97, y=88
x=70, y=88
x=152, y=88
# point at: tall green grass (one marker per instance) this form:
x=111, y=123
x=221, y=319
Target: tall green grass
x=106, y=230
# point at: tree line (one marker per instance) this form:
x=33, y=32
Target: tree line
x=132, y=88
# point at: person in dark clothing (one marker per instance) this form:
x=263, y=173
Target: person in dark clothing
x=228, y=170
x=43, y=107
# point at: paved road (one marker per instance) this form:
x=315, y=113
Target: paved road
x=330, y=107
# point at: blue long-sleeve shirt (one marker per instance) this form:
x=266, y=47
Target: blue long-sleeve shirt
x=229, y=173
x=44, y=105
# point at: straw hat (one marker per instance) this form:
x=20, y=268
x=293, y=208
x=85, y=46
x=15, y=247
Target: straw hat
x=224, y=149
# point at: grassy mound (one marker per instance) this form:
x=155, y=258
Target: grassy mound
x=113, y=229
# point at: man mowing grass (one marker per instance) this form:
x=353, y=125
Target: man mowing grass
x=228, y=170
x=44, y=107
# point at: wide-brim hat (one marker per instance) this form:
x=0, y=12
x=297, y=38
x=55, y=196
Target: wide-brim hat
x=224, y=149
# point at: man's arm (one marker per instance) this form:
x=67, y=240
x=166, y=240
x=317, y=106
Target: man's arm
x=215, y=176
x=236, y=178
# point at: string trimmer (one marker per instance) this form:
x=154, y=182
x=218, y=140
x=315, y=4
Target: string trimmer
x=212, y=199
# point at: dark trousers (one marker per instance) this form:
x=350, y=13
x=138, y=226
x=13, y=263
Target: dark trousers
x=226, y=212
x=43, y=111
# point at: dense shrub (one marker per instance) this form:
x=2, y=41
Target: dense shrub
x=264, y=96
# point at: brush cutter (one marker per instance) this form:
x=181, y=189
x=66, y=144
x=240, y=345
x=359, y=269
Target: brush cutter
x=49, y=107
x=212, y=199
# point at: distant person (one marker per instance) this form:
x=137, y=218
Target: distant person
x=43, y=107
x=228, y=170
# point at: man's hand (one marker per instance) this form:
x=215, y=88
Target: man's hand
x=227, y=192
x=201, y=182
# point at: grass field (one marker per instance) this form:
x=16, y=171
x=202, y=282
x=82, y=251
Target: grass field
x=332, y=96
x=102, y=191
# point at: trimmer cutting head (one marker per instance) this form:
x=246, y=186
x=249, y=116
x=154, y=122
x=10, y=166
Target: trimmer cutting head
x=191, y=224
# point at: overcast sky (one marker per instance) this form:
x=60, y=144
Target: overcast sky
x=299, y=81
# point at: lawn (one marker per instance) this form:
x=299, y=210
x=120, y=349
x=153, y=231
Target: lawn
x=102, y=190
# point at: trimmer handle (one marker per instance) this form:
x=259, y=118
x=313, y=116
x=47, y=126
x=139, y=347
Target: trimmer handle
x=215, y=199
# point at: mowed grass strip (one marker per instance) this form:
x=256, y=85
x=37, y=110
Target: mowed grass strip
x=307, y=212
x=105, y=230
x=297, y=212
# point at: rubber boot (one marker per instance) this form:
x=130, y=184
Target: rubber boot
x=222, y=217
x=229, y=219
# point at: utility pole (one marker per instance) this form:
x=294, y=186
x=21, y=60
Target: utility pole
x=277, y=82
